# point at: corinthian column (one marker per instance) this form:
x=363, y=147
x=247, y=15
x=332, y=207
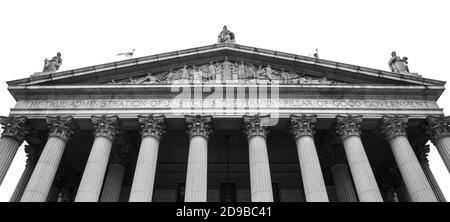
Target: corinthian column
x=393, y=128
x=349, y=129
x=303, y=129
x=439, y=132
x=260, y=180
x=152, y=129
x=105, y=129
x=33, y=153
x=422, y=155
x=199, y=129
x=43, y=175
x=14, y=131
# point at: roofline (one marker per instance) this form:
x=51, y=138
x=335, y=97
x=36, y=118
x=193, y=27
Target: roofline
x=225, y=46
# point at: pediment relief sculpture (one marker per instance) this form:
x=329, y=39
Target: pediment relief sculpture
x=224, y=72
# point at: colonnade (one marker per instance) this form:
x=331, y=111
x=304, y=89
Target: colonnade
x=354, y=179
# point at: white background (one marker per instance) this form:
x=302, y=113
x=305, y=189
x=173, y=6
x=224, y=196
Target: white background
x=88, y=33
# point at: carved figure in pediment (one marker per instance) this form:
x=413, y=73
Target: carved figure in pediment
x=204, y=73
x=210, y=71
x=219, y=69
x=298, y=77
x=285, y=76
x=131, y=81
x=260, y=73
x=184, y=73
x=241, y=70
x=324, y=80
x=276, y=77
x=315, y=81
x=234, y=71
x=251, y=71
x=172, y=76
x=226, y=70
x=149, y=79
x=196, y=74
x=271, y=74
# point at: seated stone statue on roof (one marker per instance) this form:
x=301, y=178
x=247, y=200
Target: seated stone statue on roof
x=226, y=36
x=53, y=64
x=397, y=64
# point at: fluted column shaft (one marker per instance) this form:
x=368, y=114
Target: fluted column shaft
x=42, y=178
x=144, y=175
x=197, y=170
x=44, y=173
x=312, y=177
x=8, y=149
x=402, y=193
x=32, y=156
x=94, y=172
x=14, y=131
x=303, y=127
x=443, y=147
x=20, y=188
x=113, y=183
x=343, y=183
x=433, y=183
x=415, y=180
x=439, y=132
x=106, y=129
x=53, y=195
x=260, y=179
x=152, y=128
x=199, y=129
x=394, y=129
x=349, y=129
x=363, y=177
x=422, y=149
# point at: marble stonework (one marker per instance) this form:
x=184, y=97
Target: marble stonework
x=237, y=104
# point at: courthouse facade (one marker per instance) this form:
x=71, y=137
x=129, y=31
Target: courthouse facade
x=225, y=122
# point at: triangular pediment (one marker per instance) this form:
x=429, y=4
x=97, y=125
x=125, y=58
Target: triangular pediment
x=222, y=63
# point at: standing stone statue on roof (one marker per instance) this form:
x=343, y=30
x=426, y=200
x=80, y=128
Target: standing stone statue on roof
x=53, y=64
x=397, y=64
x=226, y=36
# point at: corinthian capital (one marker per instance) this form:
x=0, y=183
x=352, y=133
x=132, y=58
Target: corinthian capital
x=14, y=127
x=304, y=125
x=60, y=127
x=106, y=126
x=152, y=126
x=347, y=126
x=438, y=127
x=32, y=152
x=255, y=126
x=199, y=126
x=422, y=153
x=393, y=126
